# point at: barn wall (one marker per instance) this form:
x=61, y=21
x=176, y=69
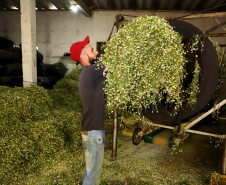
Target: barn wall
x=57, y=30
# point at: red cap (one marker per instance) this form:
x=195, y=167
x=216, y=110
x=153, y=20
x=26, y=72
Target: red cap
x=76, y=49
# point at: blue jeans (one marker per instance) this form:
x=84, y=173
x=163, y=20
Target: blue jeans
x=93, y=144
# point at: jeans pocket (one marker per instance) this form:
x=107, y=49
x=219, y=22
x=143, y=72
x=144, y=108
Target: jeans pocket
x=85, y=140
x=97, y=137
x=99, y=140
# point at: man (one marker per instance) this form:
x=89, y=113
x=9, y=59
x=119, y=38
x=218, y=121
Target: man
x=92, y=98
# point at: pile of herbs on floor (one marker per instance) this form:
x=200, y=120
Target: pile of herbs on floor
x=40, y=138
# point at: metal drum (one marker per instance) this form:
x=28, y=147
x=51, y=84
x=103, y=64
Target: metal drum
x=208, y=61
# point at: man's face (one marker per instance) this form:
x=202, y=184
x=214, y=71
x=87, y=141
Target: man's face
x=91, y=53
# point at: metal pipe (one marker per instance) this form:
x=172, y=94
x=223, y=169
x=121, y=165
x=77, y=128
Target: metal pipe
x=188, y=130
x=204, y=115
x=204, y=133
x=115, y=125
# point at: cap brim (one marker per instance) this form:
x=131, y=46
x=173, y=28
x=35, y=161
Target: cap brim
x=86, y=40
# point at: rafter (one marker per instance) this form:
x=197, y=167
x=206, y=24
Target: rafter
x=15, y=3
x=5, y=5
x=61, y=4
x=85, y=8
x=40, y=4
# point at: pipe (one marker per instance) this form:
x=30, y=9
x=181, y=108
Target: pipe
x=115, y=125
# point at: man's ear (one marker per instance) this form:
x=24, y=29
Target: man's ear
x=84, y=57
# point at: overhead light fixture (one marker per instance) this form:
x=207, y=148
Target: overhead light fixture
x=74, y=8
x=53, y=7
x=13, y=7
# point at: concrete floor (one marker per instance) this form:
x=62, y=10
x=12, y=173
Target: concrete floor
x=200, y=156
x=205, y=148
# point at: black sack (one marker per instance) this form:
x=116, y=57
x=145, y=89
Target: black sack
x=41, y=69
x=5, y=43
x=13, y=69
x=10, y=55
x=58, y=69
x=47, y=81
x=12, y=81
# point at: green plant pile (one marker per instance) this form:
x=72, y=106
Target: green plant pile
x=222, y=68
x=146, y=62
x=40, y=141
x=65, y=93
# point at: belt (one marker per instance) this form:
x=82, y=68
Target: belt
x=85, y=132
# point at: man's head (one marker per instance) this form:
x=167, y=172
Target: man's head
x=83, y=52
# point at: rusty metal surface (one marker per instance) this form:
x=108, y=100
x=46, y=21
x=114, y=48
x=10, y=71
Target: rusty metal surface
x=208, y=61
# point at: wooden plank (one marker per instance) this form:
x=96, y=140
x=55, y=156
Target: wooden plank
x=202, y=15
x=216, y=35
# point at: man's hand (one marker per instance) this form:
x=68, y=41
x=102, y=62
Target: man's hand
x=106, y=69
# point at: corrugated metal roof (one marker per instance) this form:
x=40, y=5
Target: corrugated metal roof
x=89, y=5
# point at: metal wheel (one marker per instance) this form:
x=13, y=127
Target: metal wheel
x=137, y=136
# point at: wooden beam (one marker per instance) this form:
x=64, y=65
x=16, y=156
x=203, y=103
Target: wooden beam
x=84, y=7
x=217, y=35
x=203, y=15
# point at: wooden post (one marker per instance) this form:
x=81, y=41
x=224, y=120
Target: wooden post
x=224, y=158
x=115, y=129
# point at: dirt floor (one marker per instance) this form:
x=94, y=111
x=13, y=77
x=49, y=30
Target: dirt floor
x=199, y=157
